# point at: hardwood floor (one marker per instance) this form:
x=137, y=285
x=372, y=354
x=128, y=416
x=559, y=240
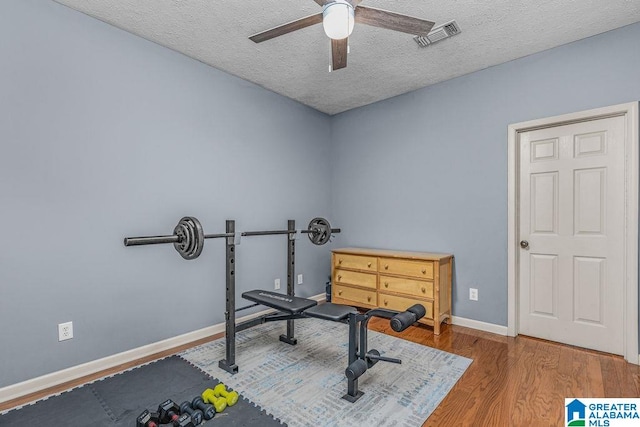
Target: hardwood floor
x=519, y=381
x=512, y=381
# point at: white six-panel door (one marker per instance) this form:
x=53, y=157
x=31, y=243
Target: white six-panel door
x=571, y=231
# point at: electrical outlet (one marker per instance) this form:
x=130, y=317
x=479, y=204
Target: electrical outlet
x=473, y=294
x=65, y=331
x=299, y=279
x=276, y=284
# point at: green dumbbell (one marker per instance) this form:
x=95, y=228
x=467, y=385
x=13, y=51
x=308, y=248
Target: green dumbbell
x=230, y=396
x=210, y=397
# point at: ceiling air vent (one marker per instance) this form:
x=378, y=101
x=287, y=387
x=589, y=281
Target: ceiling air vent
x=438, y=33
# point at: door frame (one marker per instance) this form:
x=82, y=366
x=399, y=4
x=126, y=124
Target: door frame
x=630, y=285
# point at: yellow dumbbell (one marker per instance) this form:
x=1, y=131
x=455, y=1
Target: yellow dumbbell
x=230, y=396
x=210, y=397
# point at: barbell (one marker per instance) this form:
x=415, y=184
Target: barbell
x=188, y=236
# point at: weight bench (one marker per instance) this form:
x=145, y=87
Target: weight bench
x=360, y=359
x=281, y=302
x=300, y=306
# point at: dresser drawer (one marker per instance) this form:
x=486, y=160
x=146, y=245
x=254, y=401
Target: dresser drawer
x=417, y=288
x=356, y=278
x=421, y=269
x=356, y=262
x=356, y=295
x=394, y=302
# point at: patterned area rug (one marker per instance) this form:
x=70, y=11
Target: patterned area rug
x=303, y=384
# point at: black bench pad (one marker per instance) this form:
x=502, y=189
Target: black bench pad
x=329, y=311
x=282, y=302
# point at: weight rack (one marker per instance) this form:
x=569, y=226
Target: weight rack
x=188, y=240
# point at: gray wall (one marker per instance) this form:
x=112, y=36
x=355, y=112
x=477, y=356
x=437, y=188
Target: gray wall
x=105, y=135
x=427, y=170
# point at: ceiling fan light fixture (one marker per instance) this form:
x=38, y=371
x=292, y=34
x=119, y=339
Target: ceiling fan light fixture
x=338, y=19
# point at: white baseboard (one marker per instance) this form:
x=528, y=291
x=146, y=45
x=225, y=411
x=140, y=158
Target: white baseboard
x=493, y=328
x=59, y=377
x=320, y=297
x=476, y=324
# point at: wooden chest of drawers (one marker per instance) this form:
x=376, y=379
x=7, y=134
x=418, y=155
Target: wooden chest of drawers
x=395, y=280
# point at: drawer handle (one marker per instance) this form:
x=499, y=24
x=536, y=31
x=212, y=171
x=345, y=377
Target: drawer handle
x=339, y=292
x=368, y=264
x=339, y=276
x=386, y=266
x=424, y=271
x=369, y=298
x=424, y=289
x=340, y=261
x=386, y=284
x=386, y=302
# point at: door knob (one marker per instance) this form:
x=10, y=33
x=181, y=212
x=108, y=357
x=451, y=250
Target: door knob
x=524, y=244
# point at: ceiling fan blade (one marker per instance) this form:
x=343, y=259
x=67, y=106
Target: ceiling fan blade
x=339, y=53
x=354, y=3
x=287, y=28
x=393, y=21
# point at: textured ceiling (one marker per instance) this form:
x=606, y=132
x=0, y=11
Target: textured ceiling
x=381, y=63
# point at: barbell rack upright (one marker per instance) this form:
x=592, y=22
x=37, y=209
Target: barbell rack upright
x=229, y=362
x=291, y=274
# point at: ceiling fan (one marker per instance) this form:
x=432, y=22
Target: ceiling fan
x=338, y=18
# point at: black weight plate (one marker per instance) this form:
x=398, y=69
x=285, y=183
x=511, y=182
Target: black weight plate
x=319, y=231
x=197, y=237
x=180, y=232
x=183, y=246
x=191, y=236
x=190, y=242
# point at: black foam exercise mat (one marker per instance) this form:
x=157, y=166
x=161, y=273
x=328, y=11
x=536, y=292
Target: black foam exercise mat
x=116, y=401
